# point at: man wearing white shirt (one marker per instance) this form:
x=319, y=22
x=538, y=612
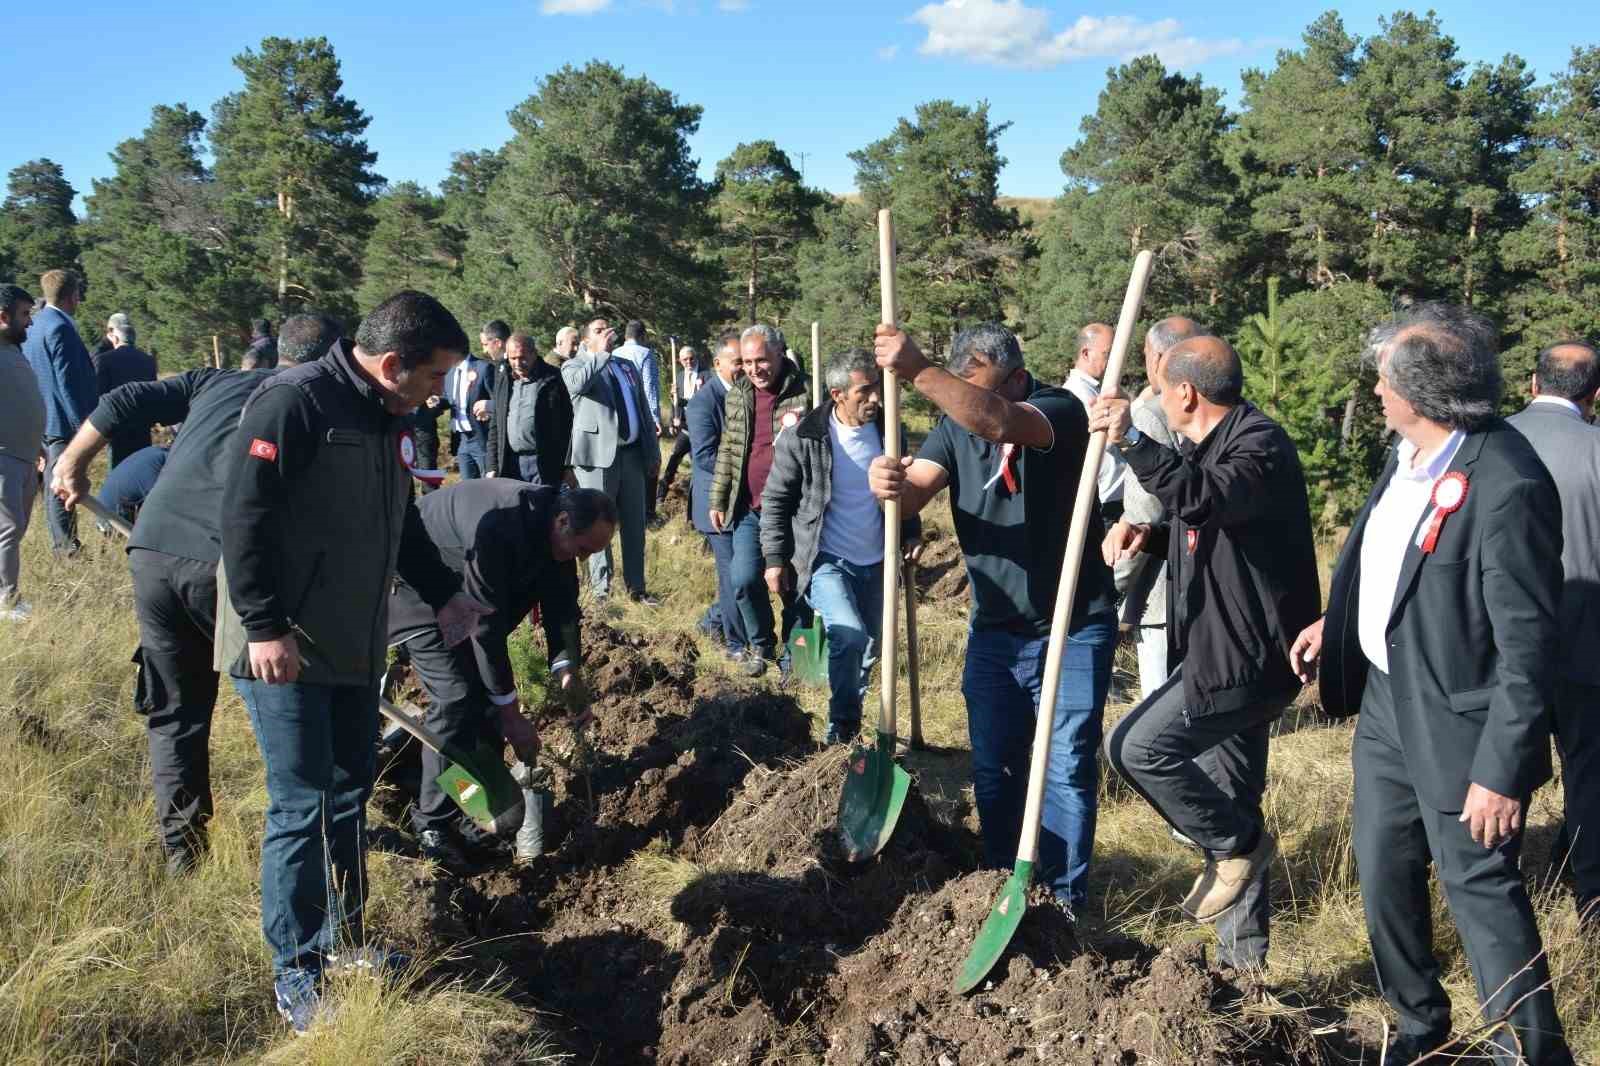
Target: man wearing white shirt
x=1094, y=352
x=1442, y=633
x=1556, y=423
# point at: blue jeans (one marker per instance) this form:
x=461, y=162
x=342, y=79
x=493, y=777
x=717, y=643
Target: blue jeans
x=470, y=457
x=850, y=600
x=1001, y=683
x=728, y=617
x=319, y=746
x=747, y=569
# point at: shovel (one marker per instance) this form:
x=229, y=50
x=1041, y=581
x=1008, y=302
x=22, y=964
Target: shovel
x=875, y=786
x=478, y=781
x=912, y=670
x=102, y=512
x=1012, y=904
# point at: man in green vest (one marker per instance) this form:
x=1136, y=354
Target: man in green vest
x=317, y=521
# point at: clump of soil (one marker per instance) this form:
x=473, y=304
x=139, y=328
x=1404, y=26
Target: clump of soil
x=942, y=570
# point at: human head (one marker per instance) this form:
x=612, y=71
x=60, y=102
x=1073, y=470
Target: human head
x=761, y=354
x=1438, y=365
x=406, y=345
x=521, y=354
x=492, y=339
x=566, y=342
x=1094, y=349
x=119, y=329
x=688, y=358
x=16, y=313
x=599, y=336
x=260, y=327
x=583, y=524
x=62, y=289
x=1570, y=370
x=728, y=362
x=634, y=331
x=307, y=338
x=987, y=355
x=1160, y=340
x=1201, y=381
x=856, y=385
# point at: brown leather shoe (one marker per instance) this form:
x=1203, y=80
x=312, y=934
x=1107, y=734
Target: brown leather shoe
x=1223, y=882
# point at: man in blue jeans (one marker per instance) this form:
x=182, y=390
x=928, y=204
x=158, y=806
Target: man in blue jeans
x=317, y=521
x=822, y=529
x=1011, y=449
x=703, y=420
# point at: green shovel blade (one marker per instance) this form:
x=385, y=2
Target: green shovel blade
x=875, y=788
x=998, y=928
x=486, y=792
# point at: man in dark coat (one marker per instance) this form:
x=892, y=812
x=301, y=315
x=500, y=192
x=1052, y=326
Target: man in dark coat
x=703, y=421
x=1442, y=632
x=123, y=364
x=530, y=417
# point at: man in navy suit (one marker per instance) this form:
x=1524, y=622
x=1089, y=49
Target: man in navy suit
x=66, y=378
x=468, y=392
x=703, y=418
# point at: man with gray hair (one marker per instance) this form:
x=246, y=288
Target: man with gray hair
x=822, y=529
x=1441, y=631
x=1557, y=424
x=1142, y=580
x=1083, y=381
x=1011, y=450
x=566, y=346
x=118, y=366
x=761, y=407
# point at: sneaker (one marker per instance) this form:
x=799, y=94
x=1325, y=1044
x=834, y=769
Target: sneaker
x=17, y=612
x=1408, y=1048
x=445, y=848
x=644, y=599
x=298, y=998
x=841, y=732
x=1223, y=881
x=369, y=961
x=753, y=665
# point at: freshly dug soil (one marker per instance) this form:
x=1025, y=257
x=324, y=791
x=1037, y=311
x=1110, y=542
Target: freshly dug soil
x=700, y=911
x=942, y=571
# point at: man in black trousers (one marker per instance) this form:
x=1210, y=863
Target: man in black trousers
x=173, y=556
x=1442, y=632
x=1237, y=541
x=515, y=547
x=530, y=417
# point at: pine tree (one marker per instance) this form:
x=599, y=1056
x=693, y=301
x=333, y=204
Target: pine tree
x=291, y=156
x=410, y=248
x=838, y=278
x=38, y=231
x=763, y=211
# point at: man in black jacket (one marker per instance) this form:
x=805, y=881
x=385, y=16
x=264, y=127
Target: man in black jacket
x=120, y=365
x=1442, y=632
x=530, y=417
x=1237, y=540
x=173, y=555
x=317, y=520
x=514, y=546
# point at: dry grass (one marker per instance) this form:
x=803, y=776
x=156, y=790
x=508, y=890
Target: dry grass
x=102, y=960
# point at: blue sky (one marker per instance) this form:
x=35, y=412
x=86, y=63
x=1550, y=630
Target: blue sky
x=821, y=78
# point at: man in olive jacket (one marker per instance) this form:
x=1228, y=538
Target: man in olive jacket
x=822, y=529
x=761, y=407
x=317, y=519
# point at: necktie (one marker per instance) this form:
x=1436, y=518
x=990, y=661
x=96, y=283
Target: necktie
x=619, y=383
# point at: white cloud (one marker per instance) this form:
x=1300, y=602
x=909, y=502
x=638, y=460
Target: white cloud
x=573, y=7
x=888, y=51
x=1008, y=33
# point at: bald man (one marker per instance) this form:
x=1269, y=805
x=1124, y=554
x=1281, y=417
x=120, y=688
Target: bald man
x=1236, y=535
x=1142, y=580
x=1556, y=423
x=1094, y=352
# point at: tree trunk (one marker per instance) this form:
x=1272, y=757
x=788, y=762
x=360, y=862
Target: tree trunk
x=1561, y=256
x=751, y=287
x=1468, y=281
x=286, y=212
x=1347, y=425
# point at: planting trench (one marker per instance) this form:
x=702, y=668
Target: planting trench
x=700, y=912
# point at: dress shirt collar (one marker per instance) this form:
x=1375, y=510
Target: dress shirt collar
x=1560, y=402
x=1434, y=468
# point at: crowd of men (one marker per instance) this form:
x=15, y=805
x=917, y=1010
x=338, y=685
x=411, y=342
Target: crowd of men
x=1459, y=619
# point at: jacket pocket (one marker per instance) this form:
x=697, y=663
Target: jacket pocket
x=1472, y=700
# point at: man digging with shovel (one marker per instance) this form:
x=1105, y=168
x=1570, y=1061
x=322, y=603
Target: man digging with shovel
x=514, y=546
x=1010, y=451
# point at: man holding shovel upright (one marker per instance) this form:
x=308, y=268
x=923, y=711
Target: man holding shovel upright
x=317, y=519
x=514, y=546
x=1236, y=537
x=1011, y=450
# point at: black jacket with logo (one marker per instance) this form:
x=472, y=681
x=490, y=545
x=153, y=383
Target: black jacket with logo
x=1240, y=558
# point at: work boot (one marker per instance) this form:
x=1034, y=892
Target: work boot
x=753, y=665
x=1223, y=882
x=444, y=846
x=298, y=998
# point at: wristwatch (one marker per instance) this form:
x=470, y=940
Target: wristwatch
x=1131, y=437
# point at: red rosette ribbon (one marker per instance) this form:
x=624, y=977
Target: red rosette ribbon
x=1449, y=493
x=408, y=458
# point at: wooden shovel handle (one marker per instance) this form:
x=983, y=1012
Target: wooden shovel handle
x=890, y=631
x=1067, y=591
x=102, y=512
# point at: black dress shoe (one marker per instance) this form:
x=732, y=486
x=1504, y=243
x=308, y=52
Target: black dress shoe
x=1407, y=1048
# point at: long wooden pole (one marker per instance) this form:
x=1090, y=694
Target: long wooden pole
x=216, y=352
x=816, y=364
x=1067, y=591
x=889, y=634
x=673, y=414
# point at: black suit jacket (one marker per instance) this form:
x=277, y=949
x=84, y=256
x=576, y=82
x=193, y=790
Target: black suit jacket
x=552, y=424
x=1472, y=633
